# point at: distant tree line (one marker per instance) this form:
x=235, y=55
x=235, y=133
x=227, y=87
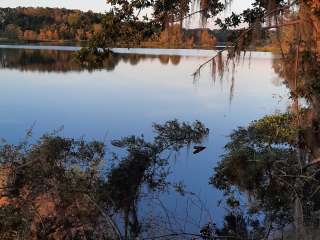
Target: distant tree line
x=176, y=36
x=48, y=24
x=55, y=24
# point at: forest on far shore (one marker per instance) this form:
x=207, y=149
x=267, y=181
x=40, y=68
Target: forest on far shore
x=59, y=25
x=48, y=24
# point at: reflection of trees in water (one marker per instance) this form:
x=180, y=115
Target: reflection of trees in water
x=175, y=60
x=134, y=59
x=61, y=188
x=275, y=160
x=64, y=61
x=164, y=59
x=38, y=60
x=304, y=85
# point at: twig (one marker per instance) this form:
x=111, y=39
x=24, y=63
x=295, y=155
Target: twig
x=282, y=25
x=314, y=162
x=187, y=234
x=108, y=218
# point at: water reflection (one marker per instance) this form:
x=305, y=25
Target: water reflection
x=65, y=61
x=62, y=188
x=275, y=160
x=120, y=103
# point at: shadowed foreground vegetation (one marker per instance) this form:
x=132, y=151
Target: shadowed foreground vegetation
x=60, y=188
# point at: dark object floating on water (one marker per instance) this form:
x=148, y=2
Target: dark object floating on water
x=197, y=149
x=117, y=143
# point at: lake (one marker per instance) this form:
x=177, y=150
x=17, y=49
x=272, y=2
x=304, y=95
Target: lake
x=46, y=89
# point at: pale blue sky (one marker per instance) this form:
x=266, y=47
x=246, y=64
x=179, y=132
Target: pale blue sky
x=94, y=5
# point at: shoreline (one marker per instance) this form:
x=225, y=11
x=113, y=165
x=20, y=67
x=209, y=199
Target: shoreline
x=81, y=44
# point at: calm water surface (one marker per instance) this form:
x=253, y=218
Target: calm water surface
x=45, y=88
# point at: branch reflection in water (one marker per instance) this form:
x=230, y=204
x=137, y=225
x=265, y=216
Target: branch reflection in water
x=61, y=188
x=65, y=61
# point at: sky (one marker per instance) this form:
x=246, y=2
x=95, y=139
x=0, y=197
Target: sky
x=85, y=5
x=94, y=5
